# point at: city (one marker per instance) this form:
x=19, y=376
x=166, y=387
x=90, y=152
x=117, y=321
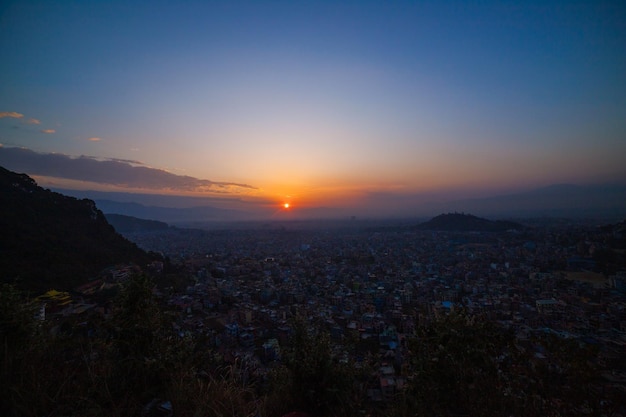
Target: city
x=376, y=285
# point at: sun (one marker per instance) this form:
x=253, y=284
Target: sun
x=286, y=206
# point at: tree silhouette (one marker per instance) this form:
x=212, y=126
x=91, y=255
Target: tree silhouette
x=457, y=367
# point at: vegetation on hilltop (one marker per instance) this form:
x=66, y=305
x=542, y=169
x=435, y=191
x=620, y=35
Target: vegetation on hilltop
x=461, y=222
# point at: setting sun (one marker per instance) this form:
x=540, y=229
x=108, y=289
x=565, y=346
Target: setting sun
x=286, y=205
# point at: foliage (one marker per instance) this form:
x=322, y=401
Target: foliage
x=17, y=334
x=462, y=365
x=312, y=378
x=17, y=323
x=218, y=394
x=457, y=365
x=567, y=374
x=137, y=353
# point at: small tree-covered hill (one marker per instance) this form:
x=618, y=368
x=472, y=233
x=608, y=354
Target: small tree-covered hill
x=461, y=222
x=49, y=240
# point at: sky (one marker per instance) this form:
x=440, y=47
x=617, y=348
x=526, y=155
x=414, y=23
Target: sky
x=360, y=104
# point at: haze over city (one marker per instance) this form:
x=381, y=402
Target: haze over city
x=356, y=107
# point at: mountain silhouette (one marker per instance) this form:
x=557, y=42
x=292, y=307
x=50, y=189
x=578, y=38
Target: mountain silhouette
x=50, y=240
x=460, y=222
x=129, y=224
x=560, y=200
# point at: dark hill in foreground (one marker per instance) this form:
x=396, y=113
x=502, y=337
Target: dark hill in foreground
x=460, y=222
x=49, y=240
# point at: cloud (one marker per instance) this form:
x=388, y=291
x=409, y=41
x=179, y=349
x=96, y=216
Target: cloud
x=11, y=114
x=33, y=121
x=94, y=139
x=125, y=161
x=122, y=173
x=48, y=131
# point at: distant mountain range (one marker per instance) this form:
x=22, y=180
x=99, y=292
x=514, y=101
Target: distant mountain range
x=49, y=240
x=128, y=224
x=171, y=214
x=605, y=202
x=565, y=200
x=460, y=222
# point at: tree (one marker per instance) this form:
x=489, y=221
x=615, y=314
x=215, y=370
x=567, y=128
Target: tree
x=17, y=331
x=17, y=322
x=312, y=379
x=139, y=344
x=459, y=366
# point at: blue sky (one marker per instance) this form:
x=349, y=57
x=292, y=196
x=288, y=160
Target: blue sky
x=324, y=103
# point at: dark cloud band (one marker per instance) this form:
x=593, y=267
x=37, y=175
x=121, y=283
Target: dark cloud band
x=118, y=172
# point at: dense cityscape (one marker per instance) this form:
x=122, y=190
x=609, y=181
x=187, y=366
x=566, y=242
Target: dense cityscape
x=371, y=287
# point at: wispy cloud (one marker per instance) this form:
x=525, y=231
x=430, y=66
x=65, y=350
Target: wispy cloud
x=121, y=173
x=29, y=121
x=11, y=114
x=94, y=139
x=125, y=161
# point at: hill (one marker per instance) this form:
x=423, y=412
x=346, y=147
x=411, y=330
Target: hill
x=170, y=214
x=49, y=240
x=460, y=222
x=130, y=224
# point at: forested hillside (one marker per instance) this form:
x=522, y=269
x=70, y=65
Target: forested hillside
x=49, y=240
